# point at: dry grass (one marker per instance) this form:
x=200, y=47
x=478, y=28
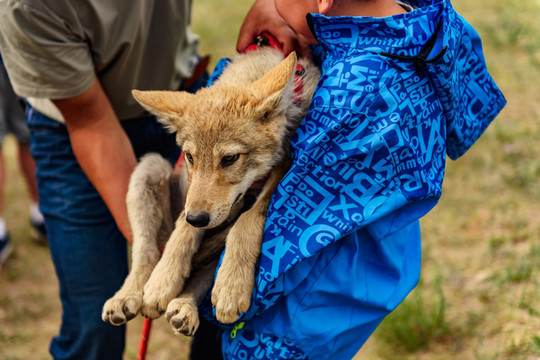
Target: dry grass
x=480, y=283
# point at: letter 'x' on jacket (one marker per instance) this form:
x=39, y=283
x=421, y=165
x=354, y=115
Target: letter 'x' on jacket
x=341, y=246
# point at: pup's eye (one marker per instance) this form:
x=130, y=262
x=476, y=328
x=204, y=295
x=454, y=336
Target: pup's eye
x=229, y=159
x=188, y=157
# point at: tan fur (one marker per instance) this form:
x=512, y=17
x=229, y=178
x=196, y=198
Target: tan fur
x=233, y=134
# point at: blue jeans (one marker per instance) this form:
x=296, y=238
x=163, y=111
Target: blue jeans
x=88, y=250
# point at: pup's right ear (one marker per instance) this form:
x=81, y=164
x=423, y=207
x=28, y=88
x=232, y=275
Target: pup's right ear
x=168, y=106
x=270, y=89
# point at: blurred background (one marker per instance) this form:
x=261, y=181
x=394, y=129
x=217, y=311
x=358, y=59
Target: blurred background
x=479, y=293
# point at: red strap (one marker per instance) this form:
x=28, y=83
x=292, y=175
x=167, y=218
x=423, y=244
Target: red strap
x=299, y=74
x=265, y=39
x=180, y=161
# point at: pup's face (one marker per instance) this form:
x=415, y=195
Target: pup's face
x=230, y=137
x=223, y=158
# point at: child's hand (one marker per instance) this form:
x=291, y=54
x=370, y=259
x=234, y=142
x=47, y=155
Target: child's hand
x=263, y=17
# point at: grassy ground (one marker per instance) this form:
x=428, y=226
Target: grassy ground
x=480, y=288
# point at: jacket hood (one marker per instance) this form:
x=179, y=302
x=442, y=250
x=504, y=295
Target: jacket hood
x=437, y=38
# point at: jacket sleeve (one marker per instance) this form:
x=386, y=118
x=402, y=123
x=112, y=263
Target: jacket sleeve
x=378, y=169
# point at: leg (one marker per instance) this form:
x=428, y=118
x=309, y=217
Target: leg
x=174, y=267
x=89, y=272
x=88, y=251
x=148, y=202
x=231, y=294
x=182, y=312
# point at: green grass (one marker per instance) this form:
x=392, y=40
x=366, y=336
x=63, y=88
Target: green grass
x=420, y=320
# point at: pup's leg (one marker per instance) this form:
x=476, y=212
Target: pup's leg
x=148, y=203
x=182, y=312
x=231, y=293
x=170, y=273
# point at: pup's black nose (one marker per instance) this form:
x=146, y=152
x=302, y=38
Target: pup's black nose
x=198, y=220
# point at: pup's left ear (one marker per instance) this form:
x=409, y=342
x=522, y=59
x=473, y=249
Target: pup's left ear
x=168, y=106
x=270, y=89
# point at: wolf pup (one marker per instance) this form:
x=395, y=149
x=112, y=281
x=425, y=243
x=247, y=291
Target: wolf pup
x=233, y=134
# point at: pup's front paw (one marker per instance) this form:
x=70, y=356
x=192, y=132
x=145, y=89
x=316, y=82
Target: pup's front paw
x=121, y=308
x=183, y=316
x=156, y=298
x=231, y=294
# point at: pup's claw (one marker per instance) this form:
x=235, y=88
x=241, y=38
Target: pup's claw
x=128, y=313
x=183, y=316
x=117, y=320
x=172, y=313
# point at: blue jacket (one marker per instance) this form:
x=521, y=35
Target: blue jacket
x=341, y=247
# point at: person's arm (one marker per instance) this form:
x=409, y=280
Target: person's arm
x=102, y=148
x=263, y=17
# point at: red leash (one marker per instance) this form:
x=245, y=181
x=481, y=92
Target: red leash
x=265, y=39
x=145, y=336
